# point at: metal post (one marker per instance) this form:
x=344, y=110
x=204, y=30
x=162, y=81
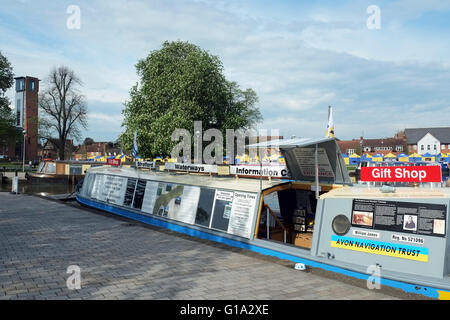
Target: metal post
x=284, y=236
x=267, y=223
x=260, y=175
x=23, y=161
x=316, y=162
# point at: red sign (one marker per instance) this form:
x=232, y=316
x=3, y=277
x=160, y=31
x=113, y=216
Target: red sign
x=113, y=162
x=402, y=174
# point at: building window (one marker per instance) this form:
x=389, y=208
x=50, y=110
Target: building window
x=20, y=84
x=435, y=147
x=18, y=118
x=443, y=146
x=415, y=147
x=428, y=147
x=422, y=147
x=350, y=151
x=31, y=85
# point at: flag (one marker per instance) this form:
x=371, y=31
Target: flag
x=330, y=125
x=135, y=147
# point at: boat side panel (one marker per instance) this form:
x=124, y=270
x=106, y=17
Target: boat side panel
x=249, y=245
x=376, y=249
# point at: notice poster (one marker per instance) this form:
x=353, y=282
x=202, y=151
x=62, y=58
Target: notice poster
x=184, y=207
x=112, y=189
x=242, y=214
x=222, y=209
x=409, y=217
x=97, y=186
x=306, y=161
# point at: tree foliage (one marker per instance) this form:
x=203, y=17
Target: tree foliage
x=8, y=132
x=180, y=84
x=64, y=110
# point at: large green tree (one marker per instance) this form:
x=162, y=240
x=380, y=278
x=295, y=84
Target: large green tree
x=8, y=132
x=180, y=84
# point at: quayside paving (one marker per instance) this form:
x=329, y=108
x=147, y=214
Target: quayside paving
x=123, y=259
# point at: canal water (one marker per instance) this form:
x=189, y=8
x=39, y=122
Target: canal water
x=39, y=188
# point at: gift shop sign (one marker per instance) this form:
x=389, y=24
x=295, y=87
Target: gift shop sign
x=402, y=174
x=113, y=162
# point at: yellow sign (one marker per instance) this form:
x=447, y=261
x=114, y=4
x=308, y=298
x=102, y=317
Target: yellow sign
x=380, y=248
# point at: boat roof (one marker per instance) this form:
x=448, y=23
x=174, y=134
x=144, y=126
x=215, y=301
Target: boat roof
x=221, y=182
x=360, y=191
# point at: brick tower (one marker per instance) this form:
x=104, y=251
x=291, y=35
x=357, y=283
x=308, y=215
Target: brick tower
x=27, y=90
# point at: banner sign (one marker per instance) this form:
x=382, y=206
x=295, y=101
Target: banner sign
x=380, y=248
x=145, y=164
x=402, y=174
x=255, y=171
x=113, y=162
x=197, y=168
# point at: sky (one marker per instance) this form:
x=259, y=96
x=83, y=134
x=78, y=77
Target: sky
x=299, y=56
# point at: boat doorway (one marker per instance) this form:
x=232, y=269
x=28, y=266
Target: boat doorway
x=287, y=216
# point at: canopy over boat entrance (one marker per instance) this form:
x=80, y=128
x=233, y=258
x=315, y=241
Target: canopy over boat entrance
x=312, y=159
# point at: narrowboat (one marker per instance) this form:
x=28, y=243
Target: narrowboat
x=316, y=217
x=62, y=171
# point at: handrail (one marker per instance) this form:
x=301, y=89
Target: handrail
x=276, y=218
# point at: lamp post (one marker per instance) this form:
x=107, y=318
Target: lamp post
x=23, y=161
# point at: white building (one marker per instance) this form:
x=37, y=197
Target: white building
x=428, y=140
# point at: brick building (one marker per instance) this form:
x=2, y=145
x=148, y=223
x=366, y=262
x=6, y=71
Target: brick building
x=26, y=112
x=383, y=145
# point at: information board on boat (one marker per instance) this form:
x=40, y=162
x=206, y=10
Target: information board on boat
x=111, y=189
x=408, y=217
x=184, y=207
x=242, y=214
x=306, y=161
x=223, y=201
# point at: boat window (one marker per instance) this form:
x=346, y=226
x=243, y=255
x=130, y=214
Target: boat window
x=139, y=194
x=75, y=169
x=50, y=168
x=41, y=167
x=129, y=193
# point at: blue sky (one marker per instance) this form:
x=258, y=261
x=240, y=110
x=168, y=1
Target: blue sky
x=299, y=56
